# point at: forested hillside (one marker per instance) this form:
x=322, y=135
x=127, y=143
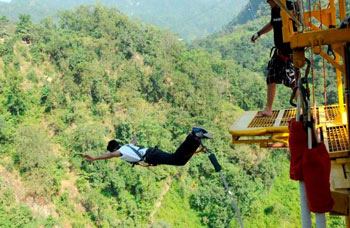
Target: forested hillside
x=190, y=19
x=68, y=88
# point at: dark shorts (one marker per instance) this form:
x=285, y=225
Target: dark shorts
x=280, y=71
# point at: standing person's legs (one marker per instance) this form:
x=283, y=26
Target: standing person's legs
x=271, y=91
x=275, y=70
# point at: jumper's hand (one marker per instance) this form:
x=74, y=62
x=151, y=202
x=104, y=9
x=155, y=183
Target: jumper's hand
x=255, y=37
x=88, y=157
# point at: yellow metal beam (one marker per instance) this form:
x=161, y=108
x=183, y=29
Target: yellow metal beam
x=325, y=16
x=259, y=131
x=319, y=38
x=342, y=9
x=339, y=49
x=340, y=91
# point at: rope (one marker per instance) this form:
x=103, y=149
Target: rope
x=325, y=88
x=312, y=67
x=320, y=9
x=310, y=15
x=324, y=66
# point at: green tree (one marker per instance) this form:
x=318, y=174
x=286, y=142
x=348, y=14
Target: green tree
x=3, y=23
x=24, y=27
x=13, y=97
x=34, y=149
x=4, y=132
x=36, y=160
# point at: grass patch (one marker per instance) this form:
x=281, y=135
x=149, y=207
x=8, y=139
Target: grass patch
x=176, y=211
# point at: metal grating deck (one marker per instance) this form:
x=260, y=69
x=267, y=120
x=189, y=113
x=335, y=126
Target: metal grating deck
x=337, y=139
x=268, y=130
x=331, y=112
x=287, y=116
x=264, y=121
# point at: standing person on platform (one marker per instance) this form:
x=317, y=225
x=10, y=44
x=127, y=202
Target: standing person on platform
x=280, y=67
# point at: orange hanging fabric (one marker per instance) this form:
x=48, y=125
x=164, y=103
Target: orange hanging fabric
x=311, y=166
x=297, y=145
x=316, y=166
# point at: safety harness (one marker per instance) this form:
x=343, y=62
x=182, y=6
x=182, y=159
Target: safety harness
x=275, y=51
x=142, y=158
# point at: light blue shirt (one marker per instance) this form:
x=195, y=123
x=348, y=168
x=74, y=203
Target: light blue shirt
x=129, y=155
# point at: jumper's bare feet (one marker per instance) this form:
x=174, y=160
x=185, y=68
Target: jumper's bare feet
x=264, y=113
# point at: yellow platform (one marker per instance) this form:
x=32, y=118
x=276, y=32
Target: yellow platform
x=266, y=130
x=273, y=131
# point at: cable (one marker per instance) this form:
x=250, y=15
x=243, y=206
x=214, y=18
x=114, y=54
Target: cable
x=250, y=9
x=234, y=205
x=217, y=168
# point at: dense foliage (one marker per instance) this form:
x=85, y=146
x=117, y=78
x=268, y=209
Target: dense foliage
x=67, y=88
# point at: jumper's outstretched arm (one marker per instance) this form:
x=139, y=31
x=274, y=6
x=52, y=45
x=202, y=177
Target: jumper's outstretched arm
x=103, y=156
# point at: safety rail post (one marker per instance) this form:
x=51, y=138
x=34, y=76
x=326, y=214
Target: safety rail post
x=305, y=212
x=347, y=84
x=320, y=217
x=347, y=98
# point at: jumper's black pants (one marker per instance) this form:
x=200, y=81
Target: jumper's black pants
x=181, y=156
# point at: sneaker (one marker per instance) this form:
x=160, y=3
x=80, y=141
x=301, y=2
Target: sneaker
x=201, y=133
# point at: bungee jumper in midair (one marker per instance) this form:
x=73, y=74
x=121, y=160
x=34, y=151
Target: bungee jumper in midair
x=154, y=156
x=280, y=67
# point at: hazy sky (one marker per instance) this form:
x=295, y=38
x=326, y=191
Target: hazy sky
x=5, y=0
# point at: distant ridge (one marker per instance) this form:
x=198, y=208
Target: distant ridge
x=252, y=10
x=189, y=19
